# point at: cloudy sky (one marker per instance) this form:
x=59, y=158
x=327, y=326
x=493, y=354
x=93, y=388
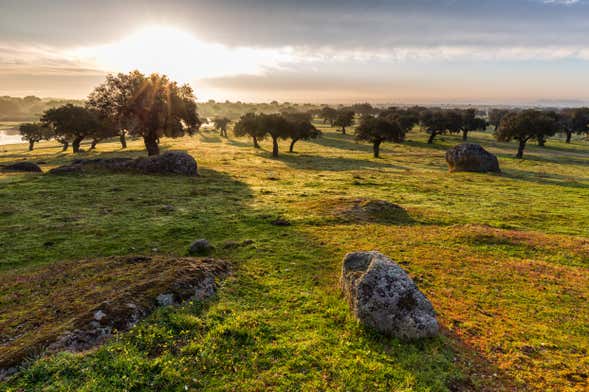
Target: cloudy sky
x=420, y=51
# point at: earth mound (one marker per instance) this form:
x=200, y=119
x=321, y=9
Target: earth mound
x=75, y=306
x=170, y=162
x=382, y=296
x=471, y=157
x=369, y=210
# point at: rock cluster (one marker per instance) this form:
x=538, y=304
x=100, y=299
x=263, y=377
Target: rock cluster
x=471, y=157
x=170, y=162
x=383, y=297
x=29, y=167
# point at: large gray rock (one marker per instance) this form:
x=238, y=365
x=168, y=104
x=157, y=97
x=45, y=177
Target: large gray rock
x=382, y=296
x=29, y=167
x=170, y=162
x=471, y=157
x=176, y=162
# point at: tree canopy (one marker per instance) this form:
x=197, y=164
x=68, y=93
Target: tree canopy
x=74, y=123
x=34, y=133
x=525, y=125
x=343, y=119
x=220, y=124
x=150, y=106
x=377, y=130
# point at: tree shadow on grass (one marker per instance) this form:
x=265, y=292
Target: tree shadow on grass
x=534, y=156
x=320, y=163
x=545, y=178
x=239, y=143
x=342, y=142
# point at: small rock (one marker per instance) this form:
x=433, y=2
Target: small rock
x=168, y=208
x=165, y=299
x=280, y=222
x=200, y=247
x=382, y=296
x=99, y=315
x=231, y=245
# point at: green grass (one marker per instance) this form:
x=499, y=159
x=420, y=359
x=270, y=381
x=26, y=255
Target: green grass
x=503, y=258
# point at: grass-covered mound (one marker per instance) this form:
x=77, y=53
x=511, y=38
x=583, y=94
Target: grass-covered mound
x=79, y=304
x=503, y=259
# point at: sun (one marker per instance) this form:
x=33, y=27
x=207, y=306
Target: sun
x=179, y=54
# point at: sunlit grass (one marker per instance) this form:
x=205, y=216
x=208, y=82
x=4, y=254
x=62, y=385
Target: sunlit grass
x=503, y=258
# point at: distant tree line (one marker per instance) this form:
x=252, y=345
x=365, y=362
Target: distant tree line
x=152, y=106
x=29, y=108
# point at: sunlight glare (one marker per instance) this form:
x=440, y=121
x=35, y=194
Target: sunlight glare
x=180, y=55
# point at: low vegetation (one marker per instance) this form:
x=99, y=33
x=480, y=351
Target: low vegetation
x=503, y=259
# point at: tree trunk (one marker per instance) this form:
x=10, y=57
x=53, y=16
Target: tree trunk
x=431, y=137
x=123, y=140
x=274, y=147
x=376, y=149
x=256, y=145
x=569, y=135
x=541, y=141
x=31, y=145
x=65, y=145
x=76, y=144
x=520, y=149
x=151, y=144
x=465, y=135
x=291, y=148
x=343, y=130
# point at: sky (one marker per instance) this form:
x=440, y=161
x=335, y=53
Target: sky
x=378, y=51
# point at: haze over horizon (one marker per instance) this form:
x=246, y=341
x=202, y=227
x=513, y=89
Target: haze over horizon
x=423, y=51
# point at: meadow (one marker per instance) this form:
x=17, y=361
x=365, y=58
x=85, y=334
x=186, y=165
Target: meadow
x=503, y=258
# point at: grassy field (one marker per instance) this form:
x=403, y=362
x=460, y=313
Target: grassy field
x=503, y=258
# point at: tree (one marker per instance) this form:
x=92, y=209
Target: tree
x=328, y=114
x=406, y=119
x=363, y=109
x=377, y=130
x=495, y=116
x=438, y=122
x=525, y=125
x=470, y=122
x=301, y=130
x=574, y=120
x=344, y=118
x=150, y=106
x=220, y=124
x=249, y=124
x=277, y=127
x=33, y=133
x=75, y=123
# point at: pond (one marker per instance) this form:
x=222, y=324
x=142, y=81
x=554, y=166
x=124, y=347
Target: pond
x=9, y=134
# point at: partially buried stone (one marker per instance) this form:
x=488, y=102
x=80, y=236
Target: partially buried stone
x=382, y=296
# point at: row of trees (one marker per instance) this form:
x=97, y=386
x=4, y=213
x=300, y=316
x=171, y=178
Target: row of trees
x=295, y=126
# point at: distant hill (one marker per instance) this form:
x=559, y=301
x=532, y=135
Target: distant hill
x=28, y=108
